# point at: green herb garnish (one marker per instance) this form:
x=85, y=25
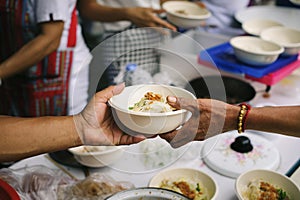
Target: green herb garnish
x=282, y=194
x=198, y=187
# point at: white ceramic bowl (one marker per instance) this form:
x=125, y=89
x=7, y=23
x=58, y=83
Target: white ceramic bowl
x=270, y=176
x=190, y=175
x=256, y=26
x=146, y=122
x=185, y=14
x=289, y=38
x=97, y=156
x=255, y=51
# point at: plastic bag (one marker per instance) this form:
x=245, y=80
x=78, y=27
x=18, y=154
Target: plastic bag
x=97, y=186
x=36, y=182
x=42, y=183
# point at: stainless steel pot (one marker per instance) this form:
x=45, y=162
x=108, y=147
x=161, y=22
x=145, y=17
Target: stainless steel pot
x=149, y=193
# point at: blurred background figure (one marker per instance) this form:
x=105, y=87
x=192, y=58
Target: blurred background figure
x=126, y=41
x=132, y=14
x=222, y=20
x=42, y=56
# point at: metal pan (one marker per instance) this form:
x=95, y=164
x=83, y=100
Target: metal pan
x=223, y=88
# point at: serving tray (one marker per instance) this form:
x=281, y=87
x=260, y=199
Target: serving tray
x=222, y=56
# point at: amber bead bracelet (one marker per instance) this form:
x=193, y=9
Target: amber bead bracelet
x=245, y=108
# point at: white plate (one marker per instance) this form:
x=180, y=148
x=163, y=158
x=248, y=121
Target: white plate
x=287, y=16
x=219, y=156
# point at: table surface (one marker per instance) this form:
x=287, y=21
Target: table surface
x=140, y=171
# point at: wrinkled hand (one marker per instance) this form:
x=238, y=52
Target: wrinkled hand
x=95, y=124
x=147, y=17
x=208, y=119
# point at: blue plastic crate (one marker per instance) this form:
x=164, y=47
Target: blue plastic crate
x=224, y=58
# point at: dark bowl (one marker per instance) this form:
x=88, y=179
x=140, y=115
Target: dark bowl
x=223, y=88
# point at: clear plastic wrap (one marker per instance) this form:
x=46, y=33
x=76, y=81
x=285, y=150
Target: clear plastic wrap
x=36, y=182
x=42, y=183
x=97, y=186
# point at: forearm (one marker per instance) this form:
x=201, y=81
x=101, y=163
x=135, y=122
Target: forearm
x=91, y=10
x=35, y=50
x=24, y=137
x=30, y=54
x=284, y=120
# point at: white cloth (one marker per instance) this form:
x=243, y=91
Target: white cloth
x=46, y=10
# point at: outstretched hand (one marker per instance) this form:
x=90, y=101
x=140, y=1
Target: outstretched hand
x=147, y=17
x=208, y=119
x=95, y=124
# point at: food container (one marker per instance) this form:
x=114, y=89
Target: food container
x=224, y=88
x=96, y=156
x=194, y=178
x=185, y=14
x=256, y=26
x=288, y=38
x=255, y=51
x=272, y=177
x=147, y=194
x=148, y=122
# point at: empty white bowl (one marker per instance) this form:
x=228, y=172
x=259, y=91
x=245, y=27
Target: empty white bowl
x=256, y=26
x=255, y=51
x=97, y=156
x=185, y=14
x=192, y=176
x=274, y=178
x=148, y=122
x=289, y=38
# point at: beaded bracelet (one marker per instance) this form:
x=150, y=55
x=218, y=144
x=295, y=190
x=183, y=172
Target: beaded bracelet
x=245, y=108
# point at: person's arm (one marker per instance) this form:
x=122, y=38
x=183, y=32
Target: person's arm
x=211, y=117
x=35, y=50
x=141, y=17
x=24, y=137
x=278, y=119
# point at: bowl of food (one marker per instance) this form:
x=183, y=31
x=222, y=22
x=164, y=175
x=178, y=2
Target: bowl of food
x=256, y=26
x=185, y=14
x=143, y=109
x=289, y=38
x=255, y=51
x=96, y=156
x=190, y=182
x=265, y=184
x=147, y=193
